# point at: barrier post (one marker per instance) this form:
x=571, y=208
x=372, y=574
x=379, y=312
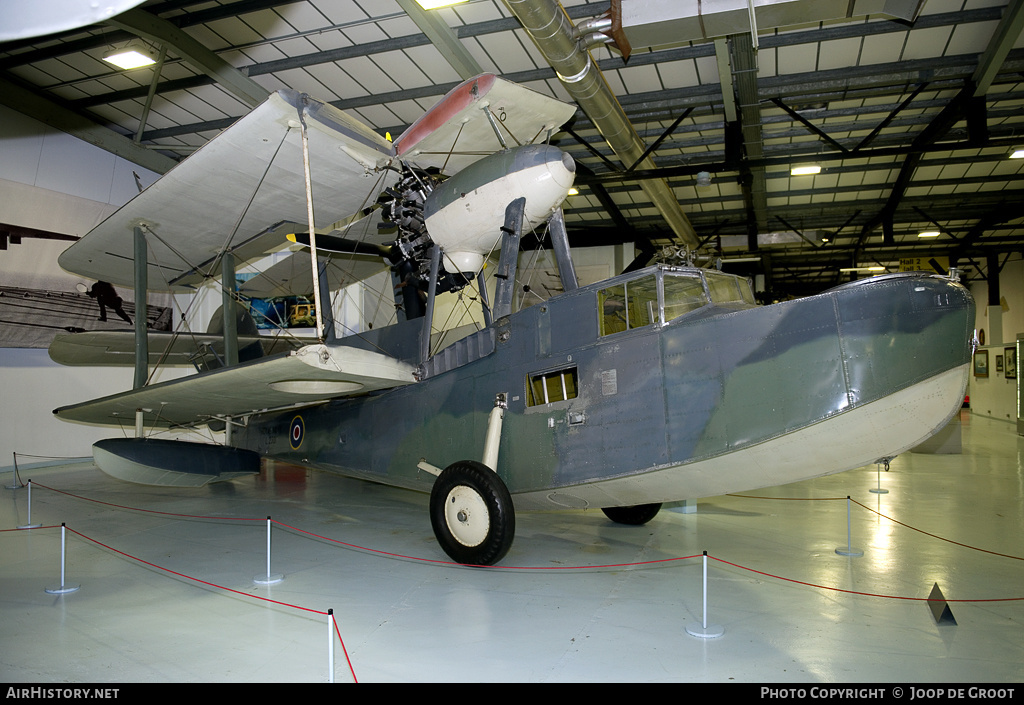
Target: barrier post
x=268, y=579
x=878, y=471
x=63, y=588
x=330, y=646
x=30, y=525
x=848, y=550
x=702, y=630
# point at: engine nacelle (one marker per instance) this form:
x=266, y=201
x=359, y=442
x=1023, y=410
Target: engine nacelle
x=464, y=214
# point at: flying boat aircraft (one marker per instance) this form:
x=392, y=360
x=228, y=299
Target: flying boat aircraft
x=657, y=385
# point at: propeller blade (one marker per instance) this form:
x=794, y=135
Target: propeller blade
x=333, y=244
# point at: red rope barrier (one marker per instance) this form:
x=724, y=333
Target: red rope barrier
x=579, y=568
x=137, y=509
x=936, y=536
x=215, y=585
x=854, y=592
x=345, y=651
x=895, y=521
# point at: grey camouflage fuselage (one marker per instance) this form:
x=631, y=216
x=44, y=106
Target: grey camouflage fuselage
x=691, y=398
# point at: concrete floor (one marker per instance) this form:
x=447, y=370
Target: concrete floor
x=418, y=618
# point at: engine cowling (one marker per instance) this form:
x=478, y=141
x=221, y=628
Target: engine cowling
x=464, y=213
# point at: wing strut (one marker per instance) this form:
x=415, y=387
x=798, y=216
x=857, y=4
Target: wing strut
x=141, y=313
x=312, y=226
x=511, y=232
x=560, y=244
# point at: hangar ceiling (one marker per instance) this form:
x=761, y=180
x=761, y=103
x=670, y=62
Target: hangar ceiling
x=912, y=116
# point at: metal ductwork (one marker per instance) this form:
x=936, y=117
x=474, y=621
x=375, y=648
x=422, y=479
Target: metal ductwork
x=655, y=23
x=556, y=38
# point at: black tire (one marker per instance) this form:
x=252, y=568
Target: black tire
x=636, y=515
x=472, y=514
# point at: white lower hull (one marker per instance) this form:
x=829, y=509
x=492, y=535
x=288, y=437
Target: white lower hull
x=852, y=439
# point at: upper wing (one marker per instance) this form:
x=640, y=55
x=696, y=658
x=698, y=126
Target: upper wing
x=245, y=189
x=459, y=123
x=311, y=374
x=234, y=192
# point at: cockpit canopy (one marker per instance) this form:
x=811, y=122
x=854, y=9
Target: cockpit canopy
x=662, y=294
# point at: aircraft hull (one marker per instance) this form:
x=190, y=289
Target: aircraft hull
x=723, y=399
x=837, y=443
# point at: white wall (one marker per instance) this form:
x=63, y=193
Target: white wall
x=995, y=396
x=52, y=181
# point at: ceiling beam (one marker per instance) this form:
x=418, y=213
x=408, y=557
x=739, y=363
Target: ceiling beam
x=35, y=106
x=192, y=52
x=443, y=38
x=1007, y=33
x=752, y=176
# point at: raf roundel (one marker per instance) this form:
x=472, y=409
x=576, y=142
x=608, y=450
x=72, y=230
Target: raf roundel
x=296, y=432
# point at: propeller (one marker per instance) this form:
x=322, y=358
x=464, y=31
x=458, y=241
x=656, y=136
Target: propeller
x=408, y=255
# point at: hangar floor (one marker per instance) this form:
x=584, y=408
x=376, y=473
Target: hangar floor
x=577, y=599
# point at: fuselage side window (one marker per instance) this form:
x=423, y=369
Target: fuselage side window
x=548, y=387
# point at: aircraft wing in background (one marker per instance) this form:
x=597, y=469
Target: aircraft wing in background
x=111, y=348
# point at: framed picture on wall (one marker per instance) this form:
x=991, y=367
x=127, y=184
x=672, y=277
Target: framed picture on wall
x=1010, y=364
x=981, y=363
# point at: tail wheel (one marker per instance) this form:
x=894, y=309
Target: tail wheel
x=636, y=515
x=472, y=514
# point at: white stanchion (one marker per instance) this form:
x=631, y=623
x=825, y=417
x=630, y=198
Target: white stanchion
x=848, y=550
x=330, y=646
x=63, y=588
x=703, y=630
x=878, y=471
x=30, y=525
x=269, y=578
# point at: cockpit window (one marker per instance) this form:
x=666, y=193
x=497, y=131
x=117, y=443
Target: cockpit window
x=726, y=289
x=633, y=304
x=638, y=302
x=682, y=295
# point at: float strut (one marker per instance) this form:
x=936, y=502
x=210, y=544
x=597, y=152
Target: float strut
x=493, y=440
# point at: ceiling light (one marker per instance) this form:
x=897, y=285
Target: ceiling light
x=862, y=269
x=928, y=233
x=805, y=170
x=434, y=4
x=573, y=191
x=1017, y=154
x=133, y=56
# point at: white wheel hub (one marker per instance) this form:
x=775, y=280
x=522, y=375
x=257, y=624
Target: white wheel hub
x=466, y=515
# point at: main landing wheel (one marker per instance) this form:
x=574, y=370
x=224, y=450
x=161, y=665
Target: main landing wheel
x=635, y=515
x=472, y=514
